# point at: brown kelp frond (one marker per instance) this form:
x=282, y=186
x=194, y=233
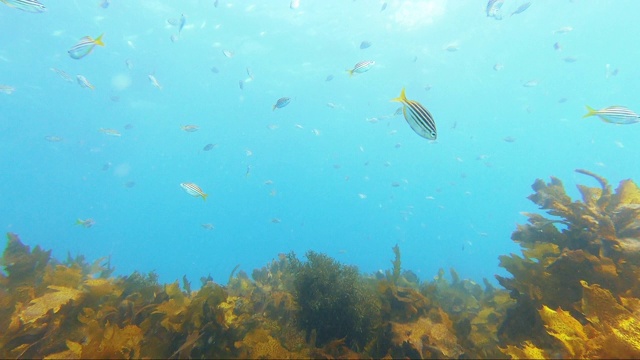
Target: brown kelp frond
x=597, y=243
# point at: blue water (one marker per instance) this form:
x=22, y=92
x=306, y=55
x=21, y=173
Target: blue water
x=332, y=168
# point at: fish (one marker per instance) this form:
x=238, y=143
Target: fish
x=84, y=82
x=365, y=44
x=32, y=6
x=282, y=102
x=329, y=78
x=194, y=190
x=62, y=74
x=418, y=117
x=383, y=7
x=129, y=64
x=104, y=4
x=521, y=8
x=190, y=128
x=207, y=226
x=614, y=115
x=110, y=132
x=493, y=9
x=241, y=84
x=563, y=30
x=215, y=70
x=228, y=53
x=86, y=223
x=530, y=83
x=208, y=147
x=183, y=20
x=362, y=66
x=85, y=46
x=7, y=89
x=53, y=138
x=154, y=81
x=452, y=47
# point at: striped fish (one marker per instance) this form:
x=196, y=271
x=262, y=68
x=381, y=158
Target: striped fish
x=85, y=46
x=614, y=115
x=194, y=190
x=362, y=66
x=32, y=6
x=418, y=117
x=282, y=102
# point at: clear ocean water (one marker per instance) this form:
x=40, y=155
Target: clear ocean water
x=335, y=171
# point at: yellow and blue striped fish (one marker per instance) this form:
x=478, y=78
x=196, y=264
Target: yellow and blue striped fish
x=85, y=46
x=614, y=115
x=418, y=117
x=362, y=66
x=32, y=6
x=194, y=190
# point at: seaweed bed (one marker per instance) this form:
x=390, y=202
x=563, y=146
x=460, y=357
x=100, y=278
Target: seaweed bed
x=574, y=293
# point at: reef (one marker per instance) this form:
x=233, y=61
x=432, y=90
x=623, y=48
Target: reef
x=573, y=293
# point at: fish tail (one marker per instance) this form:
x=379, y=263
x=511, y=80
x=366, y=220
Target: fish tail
x=402, y=98
x=350, y=73
x=79, y=222
x=274, y=108
x=204, y=197
x=591, y=111
x=98, y=40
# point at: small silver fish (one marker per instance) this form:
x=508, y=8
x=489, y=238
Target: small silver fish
x=521, y=8
x=493, y=9
x=154, y=81
x=6, y=89
x=84, y=82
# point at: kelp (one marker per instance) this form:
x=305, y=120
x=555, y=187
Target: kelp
x=594, y=240
x=573, y=293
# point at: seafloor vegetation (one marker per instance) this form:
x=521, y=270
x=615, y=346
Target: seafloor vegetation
x=574, y=293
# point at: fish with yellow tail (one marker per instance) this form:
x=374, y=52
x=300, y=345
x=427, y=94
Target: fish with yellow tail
x=87, y=223
x=362, y=66
x=85, y=46
x=614, y=114
x=32, y=6
x=418, y=117
x=194, y=190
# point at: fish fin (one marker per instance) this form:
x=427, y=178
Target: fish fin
x=98, y=40
x=591, y=111
x=402, y=98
